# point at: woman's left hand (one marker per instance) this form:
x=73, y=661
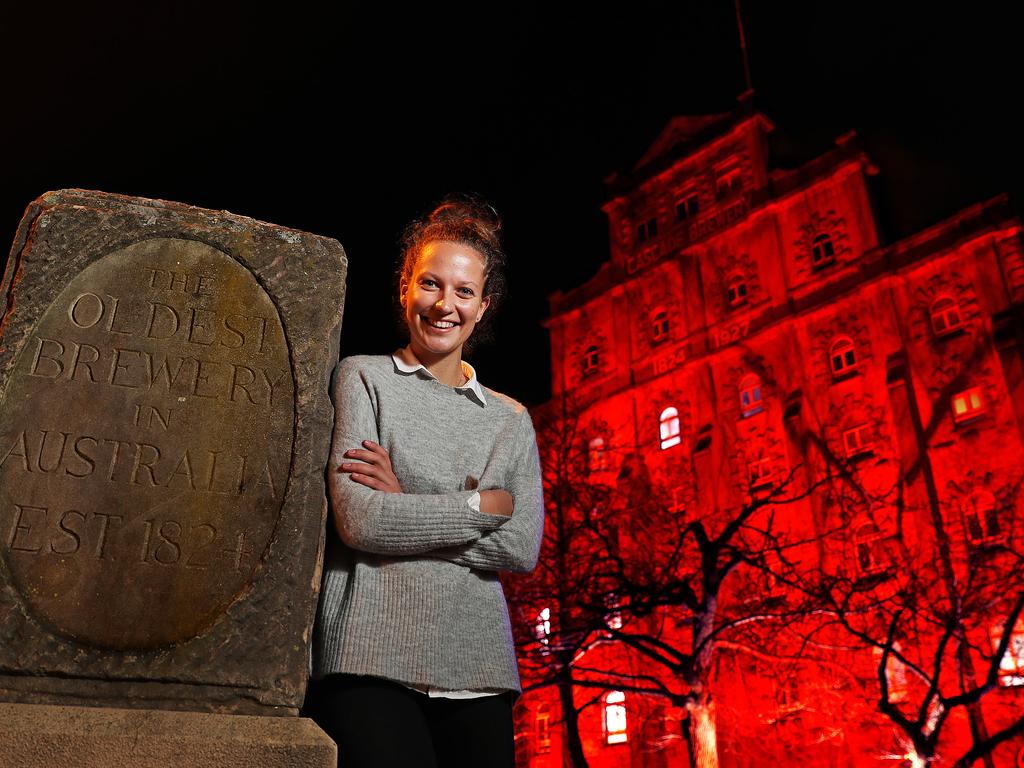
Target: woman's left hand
x=376, y=472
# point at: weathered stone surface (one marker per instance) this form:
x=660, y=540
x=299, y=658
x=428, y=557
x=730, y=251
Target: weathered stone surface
x=86, y=737
x=164, y=427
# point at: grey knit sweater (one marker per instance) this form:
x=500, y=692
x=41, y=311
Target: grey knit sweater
x=410, y=589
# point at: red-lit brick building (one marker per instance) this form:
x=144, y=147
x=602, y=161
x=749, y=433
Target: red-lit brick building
x=752, y=332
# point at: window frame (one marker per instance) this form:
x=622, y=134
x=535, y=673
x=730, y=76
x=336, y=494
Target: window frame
x=823, y=250
x=542, y=728
x=952, y=308
x=864, y=444
x=982, y=506
x=660, y=325
x=683, y=204
x=666, y=423
x=592, y=360
x=733, y=295
x=872, y=544
x=973, y=399
x=751, y=384
x=842, y=347
x=615, y=718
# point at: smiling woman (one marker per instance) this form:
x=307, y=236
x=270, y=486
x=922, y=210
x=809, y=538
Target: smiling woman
x=434, y=483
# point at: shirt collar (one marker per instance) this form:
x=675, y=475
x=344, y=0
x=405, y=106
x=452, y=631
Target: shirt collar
x=472, y=384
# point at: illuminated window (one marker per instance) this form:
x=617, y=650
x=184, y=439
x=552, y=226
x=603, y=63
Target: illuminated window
x=659, y=326
x=669, y=425
x=968, y=405
x=596, y=456
x=615, y=717
x=841, y=356
x=1011, y=666
x=750, y=395
x=872, y=556
x=647, y=230
x=542, y=628
x=591, y=360
x=760, y=472
x=945, y=315
x=737, y=290
x=542, y=728
x=688, y=207
x=981, y=518
x=857, y=440
x=823, y=251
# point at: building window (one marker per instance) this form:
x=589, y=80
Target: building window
x=615, y=717
x=872, y=556
x=596, y=456
x=750, y=395
x=542, y=728
x=760, y=472
x=659, y=326
x=823, y=251
x=968, y=405
x=688, y=207
x=1011, y=666
x=981, y=518
x=729, y=183
x=591, y=360
x=647, y=230
x=842, y=357
x=737, y=290
x=857, y=441
x=669, y=426
x=542, y=628
x=945, y=316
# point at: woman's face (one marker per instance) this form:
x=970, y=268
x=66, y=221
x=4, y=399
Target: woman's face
x=443, y=299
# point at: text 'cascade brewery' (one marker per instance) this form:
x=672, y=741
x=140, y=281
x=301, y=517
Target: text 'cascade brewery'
x=135, y=503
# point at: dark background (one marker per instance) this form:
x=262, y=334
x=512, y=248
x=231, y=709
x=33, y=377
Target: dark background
x=347, y=123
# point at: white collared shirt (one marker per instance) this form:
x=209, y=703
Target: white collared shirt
x=467, y=370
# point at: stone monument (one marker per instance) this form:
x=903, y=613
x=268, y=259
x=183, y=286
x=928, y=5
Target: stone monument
x=164, y=427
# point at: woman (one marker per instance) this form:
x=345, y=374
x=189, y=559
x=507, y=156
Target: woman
x=435, y=487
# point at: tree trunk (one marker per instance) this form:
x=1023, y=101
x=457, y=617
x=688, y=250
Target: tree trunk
x=570, y=718
x=703, y=735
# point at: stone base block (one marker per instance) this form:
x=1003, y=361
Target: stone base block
x=47, y=736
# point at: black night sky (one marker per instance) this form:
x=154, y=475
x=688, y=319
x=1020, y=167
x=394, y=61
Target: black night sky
x=348, y=122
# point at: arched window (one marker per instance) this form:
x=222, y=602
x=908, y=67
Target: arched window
x=596, y=457
x=659, y=325
x=981, y=517
x=841, y=356
x=615, y=717
x=823, y=251
x=591, y=360
x=736, y=292
x=872, y=556
x=750, y=395
x=945, y=315
x=669, y=427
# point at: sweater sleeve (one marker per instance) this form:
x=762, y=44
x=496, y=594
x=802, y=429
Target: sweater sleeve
x=381, y=522
x=516, y=545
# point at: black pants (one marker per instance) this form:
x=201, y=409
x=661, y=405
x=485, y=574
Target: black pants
x=378, y=724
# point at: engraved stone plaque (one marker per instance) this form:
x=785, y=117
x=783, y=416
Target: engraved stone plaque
x=164, y=427
x=145, y=437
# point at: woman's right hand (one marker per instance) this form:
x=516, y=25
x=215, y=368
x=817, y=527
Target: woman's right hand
x=496, y=502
